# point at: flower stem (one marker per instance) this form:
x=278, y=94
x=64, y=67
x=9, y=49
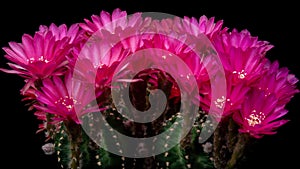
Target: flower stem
x=219, y=144
x=231, y=136
x=74, y=132
x=238, y=151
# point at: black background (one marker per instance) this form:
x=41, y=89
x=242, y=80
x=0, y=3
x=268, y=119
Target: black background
x=275, y=23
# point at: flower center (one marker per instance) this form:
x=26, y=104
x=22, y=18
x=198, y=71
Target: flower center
x=96, y=66
x=67, y=101
x=241, y=75
x=255, y=119
x=220, y=102
x=41, y=59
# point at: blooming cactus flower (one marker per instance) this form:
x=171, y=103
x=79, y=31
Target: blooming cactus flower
x=260, y=114
x=42, y=55
x=279, y=82
x=242, y=55
x=63, y=97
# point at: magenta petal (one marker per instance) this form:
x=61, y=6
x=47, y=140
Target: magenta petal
x=27, y=41
x=17, y=48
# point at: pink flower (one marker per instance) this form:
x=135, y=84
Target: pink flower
x=42, y=55
x=98, y=55
x=61, y=97
x=279, y=82
x=242, y=55
x=95, y=64
x=260, y=114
